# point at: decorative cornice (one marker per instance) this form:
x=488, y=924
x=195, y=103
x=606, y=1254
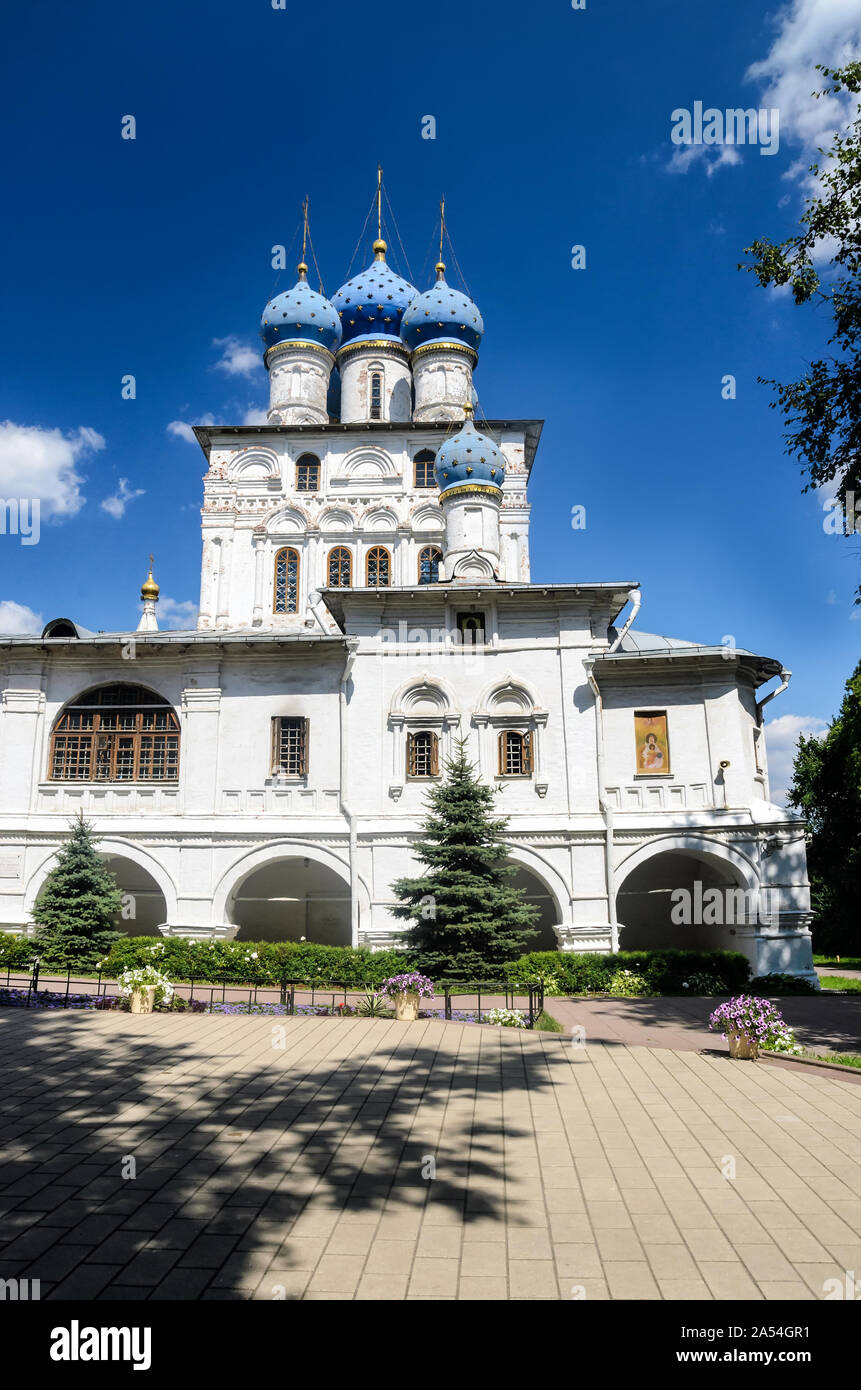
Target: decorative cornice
x=374, y=345
x=487, y=488
x=293, y=344
x=441, y=346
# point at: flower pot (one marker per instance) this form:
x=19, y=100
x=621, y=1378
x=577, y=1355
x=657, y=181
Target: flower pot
x=743, y=1048
x=143, y=1000
x=407, y=1006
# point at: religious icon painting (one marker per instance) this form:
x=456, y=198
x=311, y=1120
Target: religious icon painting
x=652, y=742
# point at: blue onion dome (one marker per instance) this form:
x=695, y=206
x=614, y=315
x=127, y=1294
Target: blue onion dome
x=469, y=459
x=301, y=315
x=372, y=304
x=442, y=315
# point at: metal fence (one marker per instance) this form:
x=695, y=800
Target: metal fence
x=293, y=995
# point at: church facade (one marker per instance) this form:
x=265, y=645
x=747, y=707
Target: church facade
x=366, y=601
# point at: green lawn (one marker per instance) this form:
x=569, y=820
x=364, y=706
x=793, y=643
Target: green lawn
x=847, y=1061
x=546, y=1023
x=841, y=983
x=844, y=963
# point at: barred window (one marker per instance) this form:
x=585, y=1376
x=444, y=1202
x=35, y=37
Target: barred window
x=376, y=411
x=116, y=733
x=515, y=754
x=286, y=581
x=424, y=465
x=340, y=568
x=308, y=473
x=379, y=568
x=429, y=558
x=422, y=754
x=290, y=746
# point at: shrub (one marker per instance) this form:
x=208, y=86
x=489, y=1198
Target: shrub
x=16, y=952
x=702, y=983
x=782, y=984
x=254, y=962
x=625, y=984
x=505, y=1018
x=664, y=972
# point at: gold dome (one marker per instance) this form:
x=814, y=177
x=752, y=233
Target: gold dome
x=149, y=588
x=380, y=249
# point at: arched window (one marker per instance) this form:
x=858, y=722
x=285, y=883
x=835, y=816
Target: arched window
x=423, y=465
x=116, y=733
x=286, y=581
x=376, y=411
x=308, y=473
x=340, y=568
x=429, y=558
x=422, y=754
x=515, y=754
x=379, y=568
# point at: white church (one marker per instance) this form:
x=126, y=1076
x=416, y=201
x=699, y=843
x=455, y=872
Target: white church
x=366, y=601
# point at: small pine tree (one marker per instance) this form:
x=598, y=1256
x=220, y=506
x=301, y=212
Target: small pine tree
x=75, y=911
x=466, y=914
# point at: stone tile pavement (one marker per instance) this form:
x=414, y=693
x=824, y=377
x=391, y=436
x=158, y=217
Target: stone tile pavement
x=294, y=1158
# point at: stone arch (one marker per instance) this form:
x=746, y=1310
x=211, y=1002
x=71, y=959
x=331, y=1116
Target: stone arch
x=287, y=521
x=656, y=881
x=336, y=520
x=110, y=847
x=379, y=519
x=424, y=694
x=368, y=462
x=510, y=695
x=427, y=517
x=254, y=463
x=242, y=869
x=546, y=888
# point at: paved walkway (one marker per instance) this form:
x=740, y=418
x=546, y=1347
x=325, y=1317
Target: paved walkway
x=295, y=1159
x=823, y=1023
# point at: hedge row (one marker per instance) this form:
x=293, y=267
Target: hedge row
x=563, y=972
x=665, y=972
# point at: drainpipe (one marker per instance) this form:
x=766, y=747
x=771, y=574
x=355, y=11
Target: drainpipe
x=635, y=598
x=315, y=603
x=345, y=808
x=606, y=808
x=785, y=678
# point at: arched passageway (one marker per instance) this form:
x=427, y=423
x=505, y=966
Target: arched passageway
x=536, y=892
x=680, y=900
x=144, y=909
x=289, y=899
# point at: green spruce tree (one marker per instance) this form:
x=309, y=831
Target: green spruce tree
x=75, y=911
x=467, y=917
x=826, y=786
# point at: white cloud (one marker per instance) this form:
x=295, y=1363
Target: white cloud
x=185, y=431
x=806, y=32
x=177, y=613
x=41, y=463
x=17, y=620
x=781, y=741
x=237, y=358
x=809, y=32
x=253, y=416
x=684, y=156
x=116, y=505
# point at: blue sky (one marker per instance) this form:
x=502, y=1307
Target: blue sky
x=153, y=257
